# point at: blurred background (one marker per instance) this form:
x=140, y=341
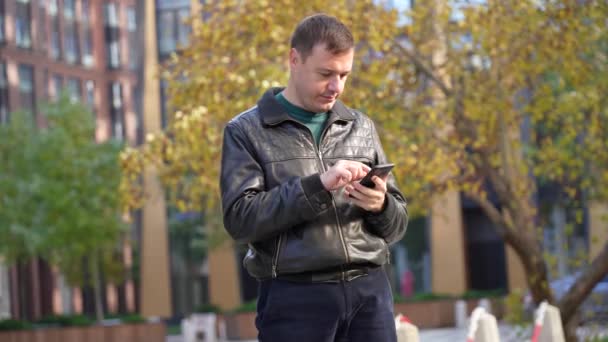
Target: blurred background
x=157, y=80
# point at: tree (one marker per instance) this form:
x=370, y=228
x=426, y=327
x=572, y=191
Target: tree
x=496, y=96
x=59, y=194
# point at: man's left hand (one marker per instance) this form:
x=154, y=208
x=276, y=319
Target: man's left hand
x=370, y=199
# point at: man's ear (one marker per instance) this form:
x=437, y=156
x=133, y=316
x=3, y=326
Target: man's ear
x=294, y=57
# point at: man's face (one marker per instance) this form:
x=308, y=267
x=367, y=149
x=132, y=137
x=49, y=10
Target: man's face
x=319, y=79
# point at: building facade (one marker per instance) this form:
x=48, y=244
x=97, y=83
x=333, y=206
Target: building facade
x=89, y=49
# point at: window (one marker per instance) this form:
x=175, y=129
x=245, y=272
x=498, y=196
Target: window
x=133, y=41
x=116, y=111
x=113, y=54
x=173, y=31
x=163, y=104
x=45, y=81
x=2, y=21
x=23, y=21
x=52, y=8
x=112, y=32
x=139, y=119
x=69, y=9
x=70, y=32
x=87, y=34
x=183, y=28
x=4, y=116
x=71, y=41
x=85, y=15
x=3, y=82
x=90, y=96
x=41, y=28
x=56, y=87
x=110, y=14
x=131, y=19
x=26, y=87
x=87, y=48
x=55, y=48
x=55, y=40
x=166, y=32
x=73, y=88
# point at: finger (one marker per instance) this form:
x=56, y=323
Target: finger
x=360, y=170
x=369, y=192
x=352, y=193
x=344, y=174
x=353, y=169
x=363, y=171
x=359, y=203
x=380, y=183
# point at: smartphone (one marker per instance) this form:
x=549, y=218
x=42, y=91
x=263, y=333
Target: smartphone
x=379, y=170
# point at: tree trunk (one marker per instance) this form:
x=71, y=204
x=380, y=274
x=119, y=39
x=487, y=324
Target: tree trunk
x=97, y=288
x=569, y=327
x=582, y=287
x=22, y=291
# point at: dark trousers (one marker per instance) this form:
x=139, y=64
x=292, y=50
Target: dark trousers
x=360, y=310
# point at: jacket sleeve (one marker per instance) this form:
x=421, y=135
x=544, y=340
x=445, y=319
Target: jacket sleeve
x=391, y=222
x=252, y=212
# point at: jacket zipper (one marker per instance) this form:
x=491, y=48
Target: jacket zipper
x=333, y=203
x=275, y=260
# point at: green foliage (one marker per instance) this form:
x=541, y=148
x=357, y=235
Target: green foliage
x=599, y=339
x=430, y=296
x=12, y=324
x=514, y=304
x=132, y=319
x=59, y=194
x=174, y=330
x=250, y=306
x=206, y=308
x=422, y=297
x=66, y=320
x=479, y=294
x=188, y=237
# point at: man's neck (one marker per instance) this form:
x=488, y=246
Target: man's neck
x=290, y=95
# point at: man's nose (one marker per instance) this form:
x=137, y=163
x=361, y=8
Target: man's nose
x=335, y=84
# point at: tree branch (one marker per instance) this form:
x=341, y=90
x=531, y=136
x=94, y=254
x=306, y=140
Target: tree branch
x=426, y=70
x=502, y=227
x=592, y=274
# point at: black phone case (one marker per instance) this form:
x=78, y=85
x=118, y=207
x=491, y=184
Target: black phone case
x=378, y=170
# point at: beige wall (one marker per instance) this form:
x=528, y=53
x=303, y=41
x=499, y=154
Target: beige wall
x=224, y=280
x=515, y=271
x=448, y=266
x=155, y=291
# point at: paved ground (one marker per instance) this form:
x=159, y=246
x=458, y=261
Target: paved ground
x=431, y=335
x=507, y=334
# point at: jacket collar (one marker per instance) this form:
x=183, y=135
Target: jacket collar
x=274, y=113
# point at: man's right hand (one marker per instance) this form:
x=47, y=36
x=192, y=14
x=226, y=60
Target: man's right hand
x=342, y=173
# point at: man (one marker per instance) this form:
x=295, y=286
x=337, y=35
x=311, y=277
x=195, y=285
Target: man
x=290, y=170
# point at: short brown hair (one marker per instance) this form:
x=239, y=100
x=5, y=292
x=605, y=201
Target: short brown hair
x=321, y=28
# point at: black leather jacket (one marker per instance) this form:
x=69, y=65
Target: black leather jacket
x=274, y=201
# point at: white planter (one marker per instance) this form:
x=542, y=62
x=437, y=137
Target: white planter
x=200, y=327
